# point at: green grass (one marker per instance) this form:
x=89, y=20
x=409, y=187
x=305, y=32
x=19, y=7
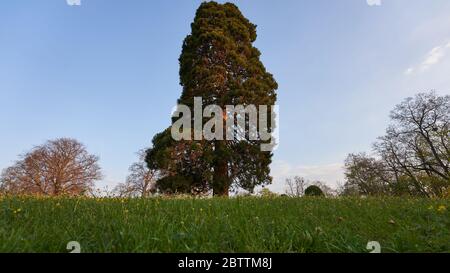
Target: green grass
x=221, y=225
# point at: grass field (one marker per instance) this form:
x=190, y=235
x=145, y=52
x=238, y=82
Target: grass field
x=221, y=225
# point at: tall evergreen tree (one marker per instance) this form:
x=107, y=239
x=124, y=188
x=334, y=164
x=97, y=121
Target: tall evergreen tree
x=219, y=64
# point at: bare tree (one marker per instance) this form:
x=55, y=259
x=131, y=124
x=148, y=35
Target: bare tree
x=58, y=167
x=141, y=182
x=413, y=157
x=417, y=144
x=365, y=175
x=295, y=187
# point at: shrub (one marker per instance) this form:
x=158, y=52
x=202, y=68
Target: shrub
x=314, y=191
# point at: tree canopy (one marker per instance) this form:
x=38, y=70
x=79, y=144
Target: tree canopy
x=413, y=157
x=58, y=167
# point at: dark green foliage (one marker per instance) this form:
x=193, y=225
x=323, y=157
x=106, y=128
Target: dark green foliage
x=175, y=185
x=314, y=191
x=183, y=165
x=219, y=64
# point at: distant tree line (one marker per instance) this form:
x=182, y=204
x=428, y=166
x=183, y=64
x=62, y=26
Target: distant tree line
x=298, y=186
x=412, y=159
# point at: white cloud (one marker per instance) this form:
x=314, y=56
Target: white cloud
x=330, y=174
x=374, y=2
x=435, y=56
x=73, y=2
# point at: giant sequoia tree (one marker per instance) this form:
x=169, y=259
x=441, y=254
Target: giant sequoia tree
x=219, y=64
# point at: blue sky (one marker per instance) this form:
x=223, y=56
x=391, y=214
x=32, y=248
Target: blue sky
x=106, y=73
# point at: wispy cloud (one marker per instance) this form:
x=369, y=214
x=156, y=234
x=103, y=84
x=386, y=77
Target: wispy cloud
x=433, y=57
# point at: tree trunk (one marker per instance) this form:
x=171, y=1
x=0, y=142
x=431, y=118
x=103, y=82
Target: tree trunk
x=221, y=183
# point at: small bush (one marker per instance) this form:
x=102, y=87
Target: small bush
x=314, y=191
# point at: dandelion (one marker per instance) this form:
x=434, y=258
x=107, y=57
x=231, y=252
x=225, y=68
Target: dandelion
x=17, y=211
x=441, y=208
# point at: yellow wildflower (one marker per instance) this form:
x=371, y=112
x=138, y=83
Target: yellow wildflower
x=441, y=208
x=16, y=211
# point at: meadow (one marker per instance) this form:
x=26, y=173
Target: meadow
x=241, y=225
